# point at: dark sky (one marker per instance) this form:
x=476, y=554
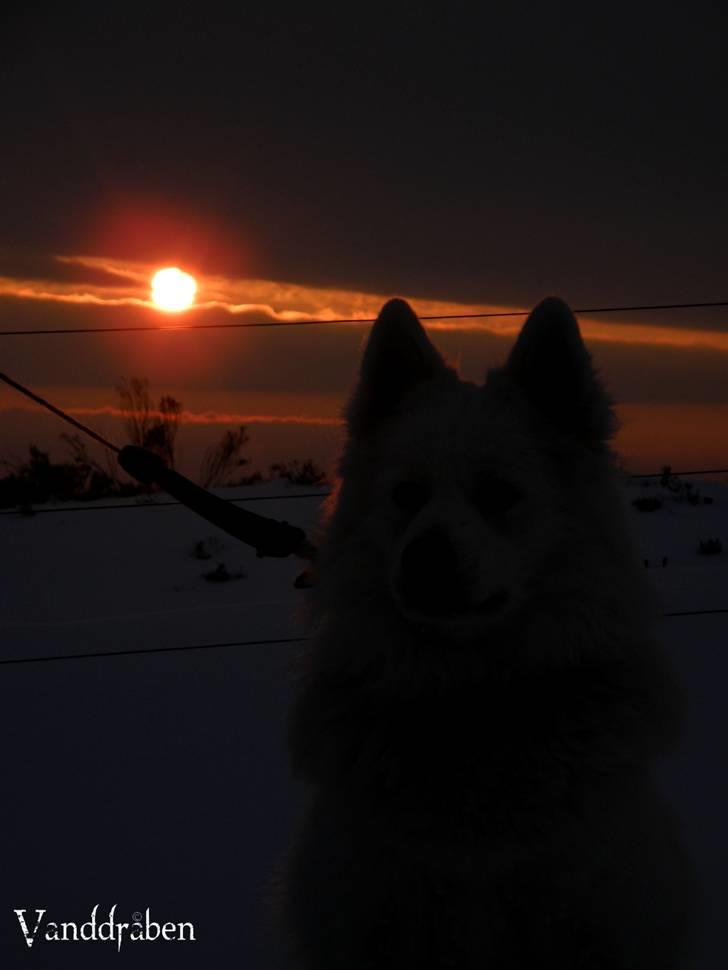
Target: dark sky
x=472, y=152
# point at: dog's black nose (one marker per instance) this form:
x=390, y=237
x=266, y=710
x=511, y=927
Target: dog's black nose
x=431, y=580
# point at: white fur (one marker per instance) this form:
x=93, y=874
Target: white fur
x=480, y=791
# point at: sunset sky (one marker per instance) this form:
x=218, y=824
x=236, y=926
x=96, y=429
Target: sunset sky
x=311, y=165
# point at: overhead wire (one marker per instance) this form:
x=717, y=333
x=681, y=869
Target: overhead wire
x=39, y=510
x=232, y=643
x=33, y=510
x=245, y=324
x=147, y=650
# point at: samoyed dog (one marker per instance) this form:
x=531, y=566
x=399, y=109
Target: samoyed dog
x=482, y=699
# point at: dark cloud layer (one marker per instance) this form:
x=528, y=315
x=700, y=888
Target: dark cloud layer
x=469, y=152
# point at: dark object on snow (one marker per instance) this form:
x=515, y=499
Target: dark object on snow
x=647, y=503
x=221, y=574
x=299, y=472
x=710, y=547
x=201, y=551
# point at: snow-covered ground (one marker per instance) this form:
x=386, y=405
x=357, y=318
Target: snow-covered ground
x=160, y=780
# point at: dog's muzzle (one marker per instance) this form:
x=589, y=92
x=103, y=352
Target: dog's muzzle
x=432, y=585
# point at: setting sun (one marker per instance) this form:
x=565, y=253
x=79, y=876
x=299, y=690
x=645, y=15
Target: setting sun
x=173, y=290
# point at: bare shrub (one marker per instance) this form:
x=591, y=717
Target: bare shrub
x=146, y=426
x=221, y=460
x=299, y=472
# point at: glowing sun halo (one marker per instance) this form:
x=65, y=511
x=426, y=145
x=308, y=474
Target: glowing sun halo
x=173, y=290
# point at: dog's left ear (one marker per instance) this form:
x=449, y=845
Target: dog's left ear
x=554, y=370
x=398, y=356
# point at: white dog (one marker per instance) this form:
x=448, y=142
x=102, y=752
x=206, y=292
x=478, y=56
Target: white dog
x=482, y=698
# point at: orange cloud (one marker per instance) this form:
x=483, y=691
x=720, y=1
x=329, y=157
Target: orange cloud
x=200, y=417
x=24, y=290
x=274, y=301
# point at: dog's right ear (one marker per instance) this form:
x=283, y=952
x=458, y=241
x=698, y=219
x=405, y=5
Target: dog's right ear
x=398, y=356
x=553, y=368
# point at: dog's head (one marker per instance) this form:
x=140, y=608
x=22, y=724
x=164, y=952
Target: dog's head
x=458, y=487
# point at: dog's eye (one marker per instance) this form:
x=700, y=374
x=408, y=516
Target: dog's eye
x=495, y=495
x=409, y=497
